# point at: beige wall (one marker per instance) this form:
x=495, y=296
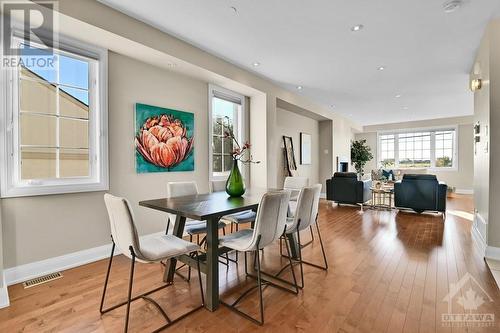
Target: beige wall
x=47, y=226
x=291, y=124
x=462, y=178
x=326, y=159
x=42, y=227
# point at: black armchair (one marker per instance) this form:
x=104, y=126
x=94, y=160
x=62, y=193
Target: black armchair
x=420, y=193
x=345, y=188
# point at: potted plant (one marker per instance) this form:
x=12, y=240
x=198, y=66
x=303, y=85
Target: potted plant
x=235, y=185
x=360, y=155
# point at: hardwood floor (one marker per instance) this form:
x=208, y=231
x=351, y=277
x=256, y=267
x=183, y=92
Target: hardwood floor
x=389, y=272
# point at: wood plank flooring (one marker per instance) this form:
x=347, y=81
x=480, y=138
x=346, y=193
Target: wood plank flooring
x=389, y=272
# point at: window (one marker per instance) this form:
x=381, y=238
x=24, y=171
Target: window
x=226, y=112
x=56, y=122
x=418, y=149
x=387, y=150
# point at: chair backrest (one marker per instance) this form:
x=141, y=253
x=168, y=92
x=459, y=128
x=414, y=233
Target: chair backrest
x=294, y=185
x=307, y=208
x=218, y=185
x=122, y=224
x=271, y=218
x=180, y=189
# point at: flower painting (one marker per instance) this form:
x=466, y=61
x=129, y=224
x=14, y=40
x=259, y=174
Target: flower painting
x=164, y=139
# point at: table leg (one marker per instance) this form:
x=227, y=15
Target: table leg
x=294, y=245
x=212, y=276
x=168, y=276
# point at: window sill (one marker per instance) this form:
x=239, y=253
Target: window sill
x=30, y=191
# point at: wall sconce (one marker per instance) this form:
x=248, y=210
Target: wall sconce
x=476, y=84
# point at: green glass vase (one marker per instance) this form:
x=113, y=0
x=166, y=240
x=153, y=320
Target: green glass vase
x=235, y=186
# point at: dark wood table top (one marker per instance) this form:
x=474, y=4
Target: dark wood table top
x=206, y=206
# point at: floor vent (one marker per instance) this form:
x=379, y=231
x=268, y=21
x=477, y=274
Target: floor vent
x=42, y=279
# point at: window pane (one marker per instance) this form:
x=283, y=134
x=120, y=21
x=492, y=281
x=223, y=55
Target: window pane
x=74, y=133
x=29, y=55
x=217, y=163
x=228, y=145
x=38, y=130
x=73, y=72
x=37, y=96
x=73, y=102
x=217, y=128
x=74, y=163
x=217, y=145
x=38, y=163
x=228, y=162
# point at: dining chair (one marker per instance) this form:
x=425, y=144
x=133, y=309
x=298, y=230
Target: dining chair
x=149, y=250
x=247, y=216
x=191, y=227
x=218, y=185
x=269, y=226
x=306, y=216
x=295, y=184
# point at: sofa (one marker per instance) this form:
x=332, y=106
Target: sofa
x=420, y=193
x=345, y=188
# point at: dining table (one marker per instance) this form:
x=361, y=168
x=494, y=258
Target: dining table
x=208, y=207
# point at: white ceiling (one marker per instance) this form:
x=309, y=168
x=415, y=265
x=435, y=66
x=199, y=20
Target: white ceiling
x=427, y=53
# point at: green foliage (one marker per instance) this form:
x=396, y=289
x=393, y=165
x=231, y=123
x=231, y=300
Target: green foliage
x=444, y=162
x=360, y=155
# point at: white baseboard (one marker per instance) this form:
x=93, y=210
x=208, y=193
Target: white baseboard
x=4, y=293
x=322, y=195
x=478, y=240
x=492, y=253
x=464, y=191
x=43, y=267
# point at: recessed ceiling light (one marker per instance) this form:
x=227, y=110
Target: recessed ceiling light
x=256, y=64
x=299, y=87
x=381, y=68
x=398, y=95
x=332, y=106
x=357, y=27
x=405, y=108
x=451, y=6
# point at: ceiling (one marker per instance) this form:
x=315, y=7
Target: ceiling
x=426, y=53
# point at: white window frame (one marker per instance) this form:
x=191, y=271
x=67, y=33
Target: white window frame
x=432, y=130
x=241, y=126
x=11, y=184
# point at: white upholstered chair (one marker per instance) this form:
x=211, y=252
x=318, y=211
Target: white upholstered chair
x=295, y=184
x=305, y=217
x=150, y=250
x=269, y=226
x=217, y=185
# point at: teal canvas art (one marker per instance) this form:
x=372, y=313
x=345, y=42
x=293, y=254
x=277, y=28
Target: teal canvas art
x=164, y=139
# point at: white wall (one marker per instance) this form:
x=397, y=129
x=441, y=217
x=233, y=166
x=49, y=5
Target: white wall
x=291, y=124
x=487, y=154
x=462, y=178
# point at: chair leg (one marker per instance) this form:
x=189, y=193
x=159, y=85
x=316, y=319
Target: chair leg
x=107, y=276
x=199, y=279
x=130, y=284
x=168, y=225
x=312, y=234
x=259, y=282
x=322, y=247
